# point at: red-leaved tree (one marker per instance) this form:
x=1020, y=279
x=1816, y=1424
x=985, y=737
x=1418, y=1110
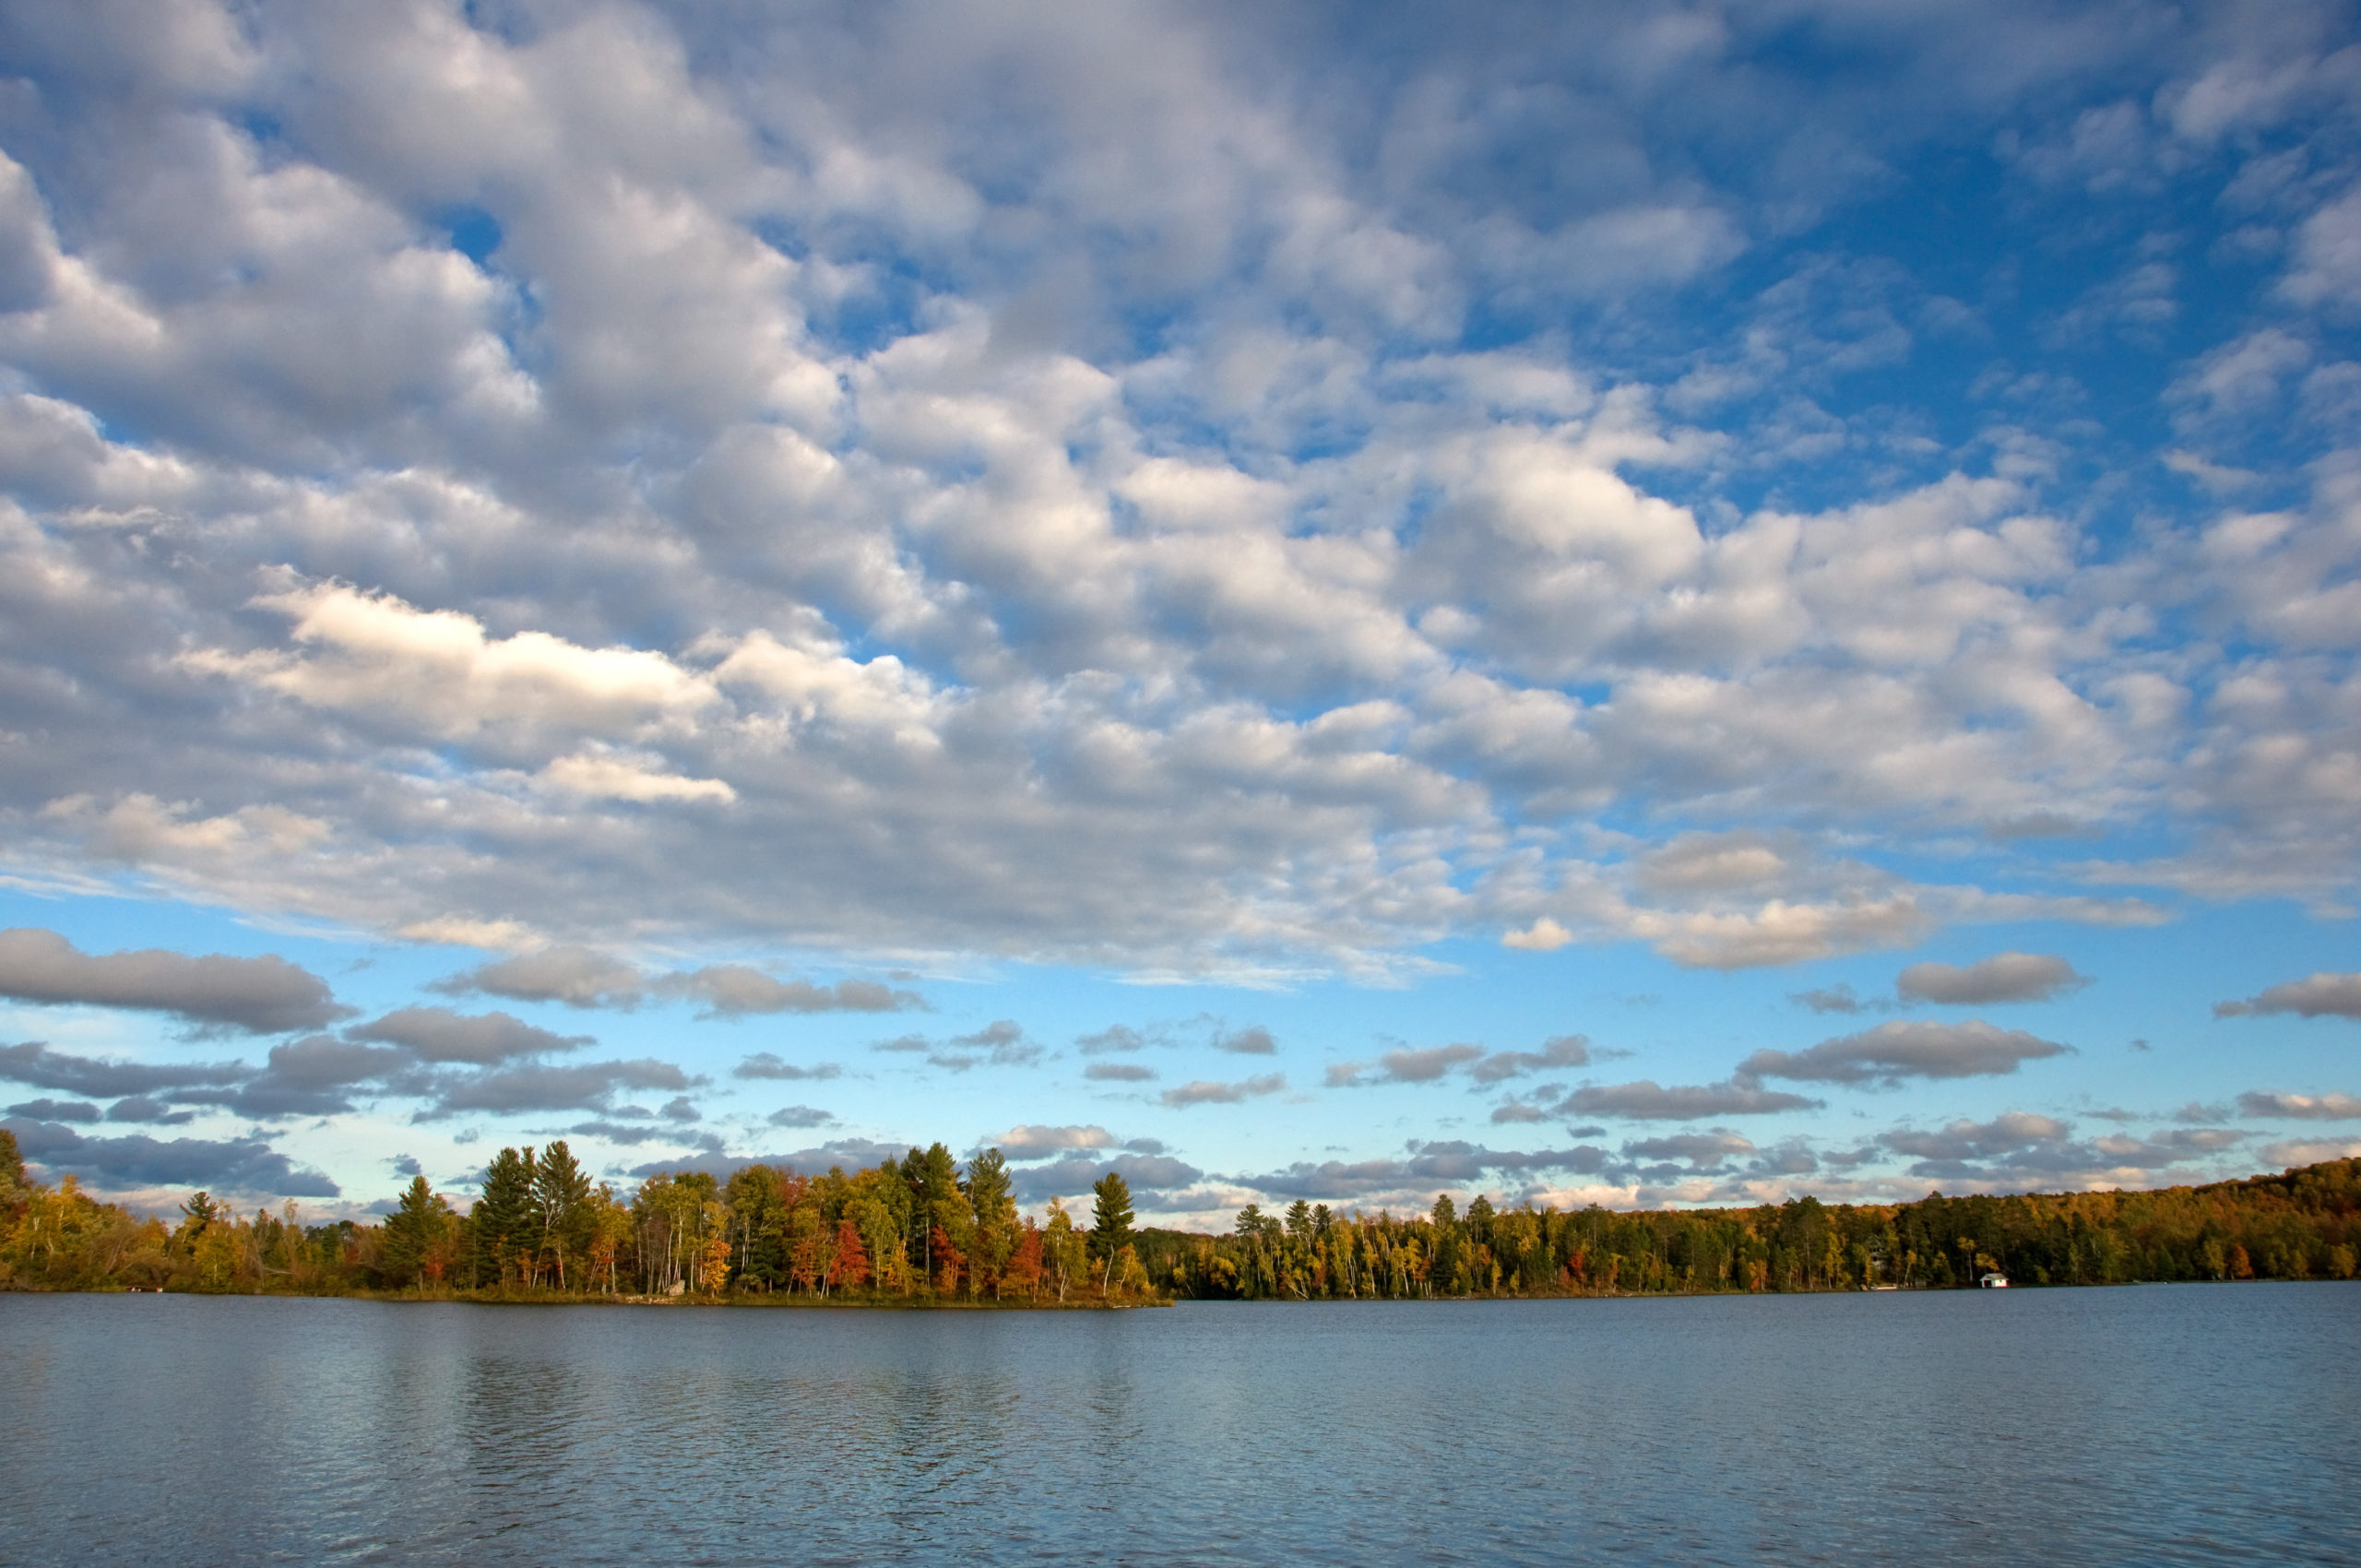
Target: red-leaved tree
x=850, y=1269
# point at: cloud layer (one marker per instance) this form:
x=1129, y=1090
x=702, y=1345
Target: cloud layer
x=765, y=519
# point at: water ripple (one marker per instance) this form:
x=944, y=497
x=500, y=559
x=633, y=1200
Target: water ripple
x=2184, y=1425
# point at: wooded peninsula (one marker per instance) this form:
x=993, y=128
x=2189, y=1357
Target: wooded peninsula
x=927, y=1230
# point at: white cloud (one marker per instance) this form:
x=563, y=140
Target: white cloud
x=439, y=671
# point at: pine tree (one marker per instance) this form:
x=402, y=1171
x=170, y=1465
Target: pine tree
x=501, y=1225
x=1110, y=1221
x=995, y=1210
x=560, y=1189
x=936, y=1203
x=13, y=1189
x=413, y=1232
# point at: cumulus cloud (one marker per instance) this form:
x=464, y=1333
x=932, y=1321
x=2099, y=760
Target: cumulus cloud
x=586, y=1086
x=1001, y=1043
x=316, y=1075
x=1838, y=998
x=1209, y=1092
x=247, y=1166
x=2024, y=1148
x=1560, y=1050
x=438, y=1034
x=2295, y=1152
x=1702, y=1151
x=1149, y=1176
x=145, y=1108
x=2302, y=1107
x=768, y=1065
x=1027, y=1142
x=1252, y=1040
x=2321, y=996
x=1902, y=1048
x=580, y=976
x=1119, y=1072
x=575, y=975
x=37, y=1064
x=57, y=1110
x=441, y=675
x=264, y=996
x=800, y=1116
x=1544, y=935
x=733, y=990
x=1645, y=1100
x=2004, y=977
x=1405, y=1066
x=1445, y=1162
x=1971, y=1140
x=1432, y=1064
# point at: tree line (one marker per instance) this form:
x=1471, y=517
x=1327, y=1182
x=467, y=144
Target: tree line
x=924, y=1228
x=928, y=1228
x=2299, y=1224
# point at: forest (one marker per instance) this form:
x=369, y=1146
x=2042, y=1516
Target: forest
x=929, y=1231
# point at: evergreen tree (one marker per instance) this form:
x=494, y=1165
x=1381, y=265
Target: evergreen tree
x=989, y=1198
x=500, y=1224
x=560, y=1188
x=413, y=1232
x=936, y=1204
x=1111, y=1217
x=201, y=1211
x=12, y=1175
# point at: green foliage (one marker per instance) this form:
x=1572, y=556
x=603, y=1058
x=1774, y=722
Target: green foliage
x=417, y=1239
x=990, y=1201
x=500, y=1227
x=540, y=1228
x=2301, y=1225
x=1110, y=1216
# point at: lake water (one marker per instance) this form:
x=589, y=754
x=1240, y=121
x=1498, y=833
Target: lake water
x=2148, y=1425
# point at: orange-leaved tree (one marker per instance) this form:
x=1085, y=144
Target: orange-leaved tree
x=850, y=1269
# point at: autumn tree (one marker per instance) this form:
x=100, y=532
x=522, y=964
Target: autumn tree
x=712, y=1272
x=1025, y=1264
x=606, y=1226
x=1065, y=1248
x=849, y=1270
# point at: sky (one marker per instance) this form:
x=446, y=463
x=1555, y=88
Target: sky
x=1632, y=603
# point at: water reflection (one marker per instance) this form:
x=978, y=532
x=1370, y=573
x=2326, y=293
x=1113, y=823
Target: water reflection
x=2183, y=1425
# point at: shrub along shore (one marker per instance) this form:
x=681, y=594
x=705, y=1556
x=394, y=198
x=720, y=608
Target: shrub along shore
x=926, y=1232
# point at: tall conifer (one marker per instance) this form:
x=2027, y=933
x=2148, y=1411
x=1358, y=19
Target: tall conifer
x=500, y=1224
x=1110, y=1216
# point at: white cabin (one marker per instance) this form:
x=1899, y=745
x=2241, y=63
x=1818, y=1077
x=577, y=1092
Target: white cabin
x=1995, y=1281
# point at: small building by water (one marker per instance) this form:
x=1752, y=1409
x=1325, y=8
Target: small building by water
x=1993, y=1281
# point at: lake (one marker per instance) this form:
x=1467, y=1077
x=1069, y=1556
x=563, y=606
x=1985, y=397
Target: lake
x=2139, y=1425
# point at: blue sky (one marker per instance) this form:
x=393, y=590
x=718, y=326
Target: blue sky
x=1627, y=603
